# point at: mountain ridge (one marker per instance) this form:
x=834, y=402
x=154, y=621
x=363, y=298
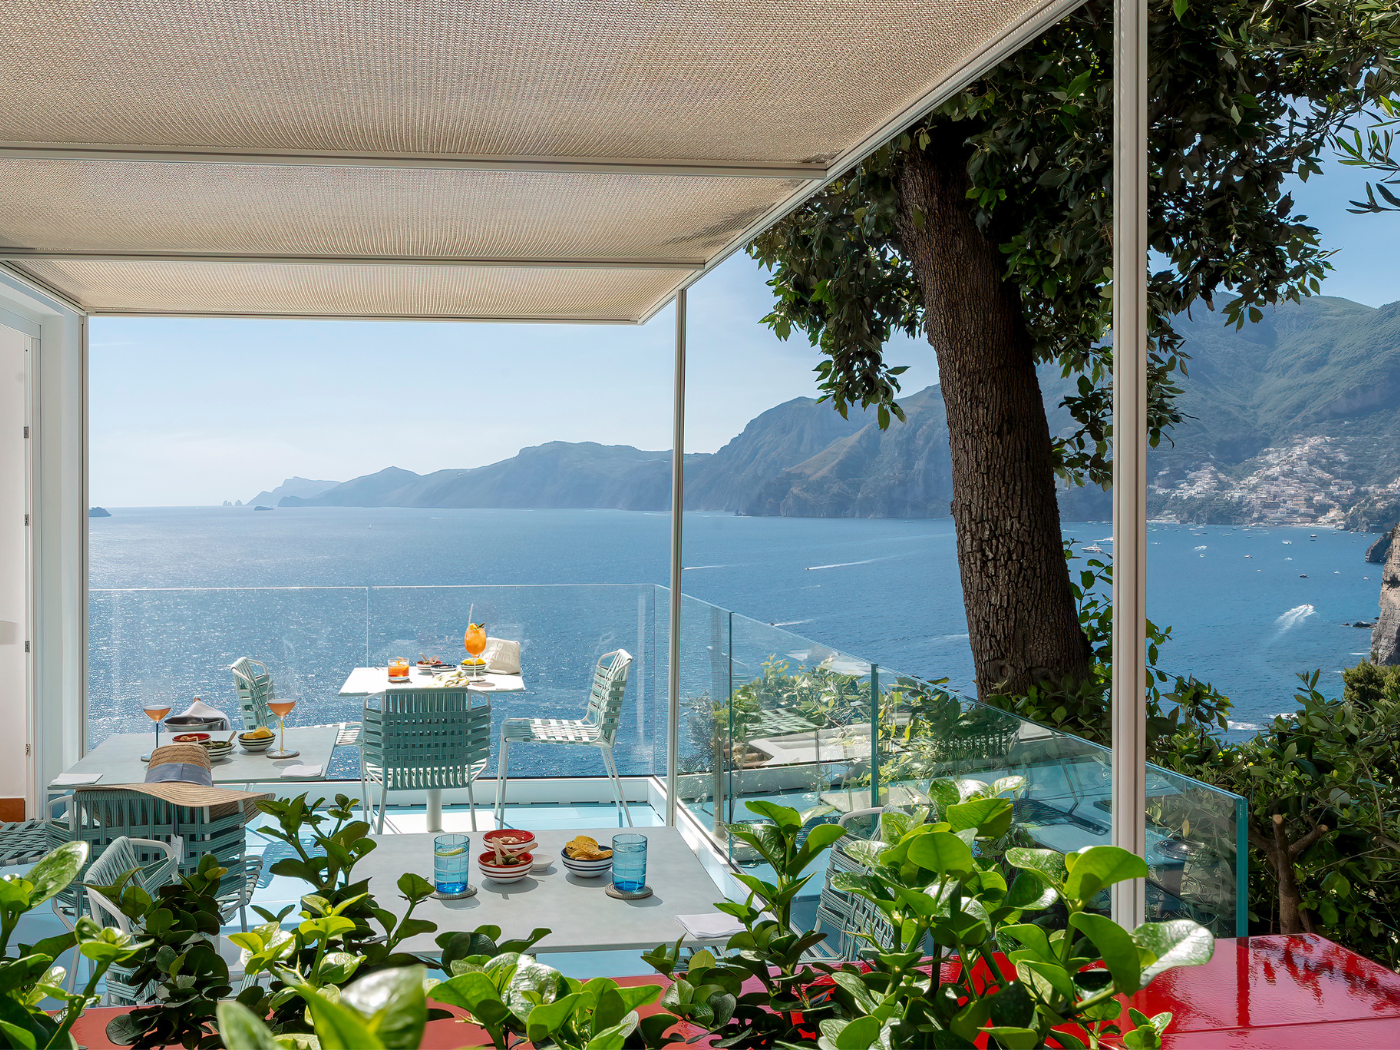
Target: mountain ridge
x=1290, y=420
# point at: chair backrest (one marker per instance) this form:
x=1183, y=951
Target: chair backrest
x=423, y=739
x=605, y=698
x=100, y=817
x=154, y=863
x=844, y=916
x=252, y=681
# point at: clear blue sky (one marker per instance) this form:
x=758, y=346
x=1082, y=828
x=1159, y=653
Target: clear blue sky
x=189, y=412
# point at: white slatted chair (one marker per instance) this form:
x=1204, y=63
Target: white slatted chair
x=155, y=864
x=597, y=728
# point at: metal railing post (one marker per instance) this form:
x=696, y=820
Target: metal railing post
x=1129, y=448
x=673, y=663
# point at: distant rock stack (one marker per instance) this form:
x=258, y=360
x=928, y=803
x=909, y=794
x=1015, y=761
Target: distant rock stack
x=1385, y=639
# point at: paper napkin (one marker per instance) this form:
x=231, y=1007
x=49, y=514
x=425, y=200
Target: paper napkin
x=70, y=779
x=301, y=772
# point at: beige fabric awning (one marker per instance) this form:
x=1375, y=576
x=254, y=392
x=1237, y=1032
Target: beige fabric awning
x=516, y=160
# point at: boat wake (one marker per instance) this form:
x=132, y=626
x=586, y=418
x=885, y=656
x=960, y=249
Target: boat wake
x=844, y=564
x=1293, y=617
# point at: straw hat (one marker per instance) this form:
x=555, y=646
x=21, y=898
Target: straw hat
x=195, y=789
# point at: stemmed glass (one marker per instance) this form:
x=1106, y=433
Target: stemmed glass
x=281, y=706
x=475, y=642
x=155, y=711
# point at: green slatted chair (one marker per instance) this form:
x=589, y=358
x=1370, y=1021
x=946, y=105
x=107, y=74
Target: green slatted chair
x=597, y=728
x=420, y=740
x=155, y=864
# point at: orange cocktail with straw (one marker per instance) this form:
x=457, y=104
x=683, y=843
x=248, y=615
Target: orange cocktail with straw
x=475, y=642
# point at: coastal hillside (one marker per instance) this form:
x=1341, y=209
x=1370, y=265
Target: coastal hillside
x=1291, y=420
x=301, y=487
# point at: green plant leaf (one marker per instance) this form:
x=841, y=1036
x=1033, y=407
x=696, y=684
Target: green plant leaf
x=941, y=852
x=339, y=1027
x=1099, y=866
x=239, y=1027
x=544, y=1021
x=55, y=871
x=1178, y=942
x=1116, y=947
x=784, y=817
x=1033, y=937
x=1029, y=892
x=860, y=1034
x=393, y=1001
x=991, y=817
x=1044, y=864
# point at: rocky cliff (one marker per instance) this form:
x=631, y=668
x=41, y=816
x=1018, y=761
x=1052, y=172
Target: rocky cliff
x=1385, y=639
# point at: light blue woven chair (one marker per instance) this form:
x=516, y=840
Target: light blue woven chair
x=252, y=681
x=155, y=864
x=421, y=740
x=597, y=728
x=100, y=816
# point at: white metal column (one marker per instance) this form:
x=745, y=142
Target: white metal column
x=1129, y=446
x=673, y=660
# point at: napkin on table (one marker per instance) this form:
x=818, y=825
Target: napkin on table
x=710, y=926
x=199, y=709
x=301, y=772
x=69, y=779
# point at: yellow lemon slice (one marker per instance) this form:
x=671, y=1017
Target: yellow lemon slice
x=452, y=852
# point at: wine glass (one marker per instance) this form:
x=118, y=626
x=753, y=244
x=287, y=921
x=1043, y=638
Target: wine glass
x=281, y=706
x=475, y=642
x=155, y=711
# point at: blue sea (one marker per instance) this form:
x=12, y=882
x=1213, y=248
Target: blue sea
x=178, y=593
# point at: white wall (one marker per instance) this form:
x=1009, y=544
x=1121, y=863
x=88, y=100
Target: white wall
x=14, y=562
x=58, y=534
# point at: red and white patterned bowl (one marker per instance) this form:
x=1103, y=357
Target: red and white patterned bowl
x=526, y=843
x=504, y=872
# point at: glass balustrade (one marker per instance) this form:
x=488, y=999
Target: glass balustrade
x=764, y=713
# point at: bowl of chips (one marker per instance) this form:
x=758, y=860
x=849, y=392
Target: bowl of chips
x=585, y=858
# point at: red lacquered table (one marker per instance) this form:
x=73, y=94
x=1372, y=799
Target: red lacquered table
x=1256, y=993
x=1279, y=993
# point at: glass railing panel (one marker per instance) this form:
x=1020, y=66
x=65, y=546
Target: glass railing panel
x=703, y=746
x=562, y=630
x=1062, y=798
x=175, y=644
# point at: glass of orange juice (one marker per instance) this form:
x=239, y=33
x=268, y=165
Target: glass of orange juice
x=281, y=706
x=475, y=641
x=398, y=668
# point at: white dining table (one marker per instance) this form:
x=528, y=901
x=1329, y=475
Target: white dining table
x=373, y=681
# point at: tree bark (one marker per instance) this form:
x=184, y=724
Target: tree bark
x=1021, y=616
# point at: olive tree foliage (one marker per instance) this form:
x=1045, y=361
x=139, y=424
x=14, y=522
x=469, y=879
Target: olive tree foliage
x=1243, y=94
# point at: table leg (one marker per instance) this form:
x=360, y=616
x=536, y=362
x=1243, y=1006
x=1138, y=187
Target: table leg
x=434, y=809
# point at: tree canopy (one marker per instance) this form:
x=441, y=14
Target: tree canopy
x=1243, y=95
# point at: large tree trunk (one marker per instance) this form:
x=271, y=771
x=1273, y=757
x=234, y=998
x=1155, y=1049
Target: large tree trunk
x=1021, y=616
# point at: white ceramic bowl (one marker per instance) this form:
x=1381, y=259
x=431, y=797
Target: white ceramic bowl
x=586, y=869
x=503, y=873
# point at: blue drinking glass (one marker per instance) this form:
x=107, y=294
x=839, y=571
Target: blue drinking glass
x=452, y=864
x=629, y=862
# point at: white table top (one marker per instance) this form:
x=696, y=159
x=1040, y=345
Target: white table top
x=580, y=915
x=367, y=681
x=118, y=759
